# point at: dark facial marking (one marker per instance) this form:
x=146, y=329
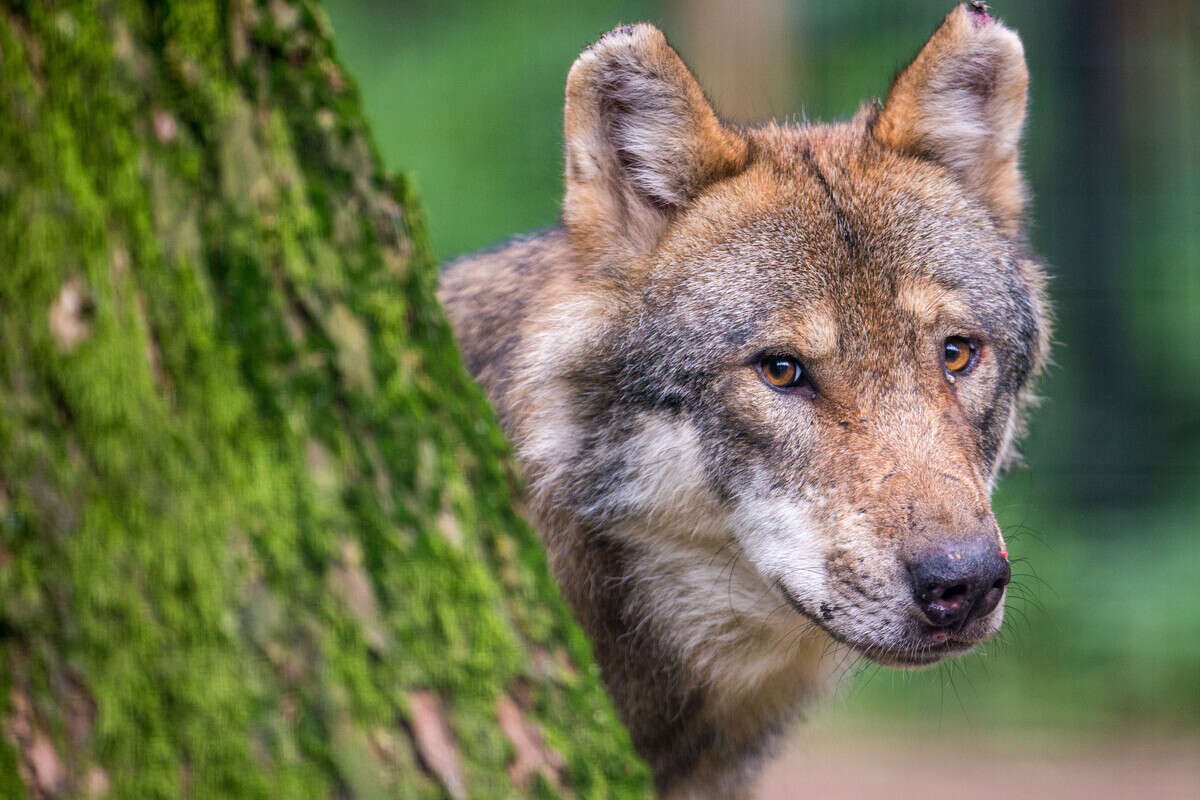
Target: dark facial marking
x=841, y=220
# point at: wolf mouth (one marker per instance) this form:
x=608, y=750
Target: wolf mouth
x=914, y=654
x=917, y=655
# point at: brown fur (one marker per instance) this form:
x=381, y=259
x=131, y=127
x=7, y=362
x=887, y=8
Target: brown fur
x=727, y=546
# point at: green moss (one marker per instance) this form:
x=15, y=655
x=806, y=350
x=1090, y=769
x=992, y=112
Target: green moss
x=258, y=502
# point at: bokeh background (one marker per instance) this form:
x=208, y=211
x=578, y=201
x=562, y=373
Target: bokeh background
x=1095, y=685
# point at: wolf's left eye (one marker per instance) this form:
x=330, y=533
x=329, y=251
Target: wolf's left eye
x=959, y=353
x=782, y=372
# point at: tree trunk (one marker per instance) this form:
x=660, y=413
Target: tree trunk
x=256, y=527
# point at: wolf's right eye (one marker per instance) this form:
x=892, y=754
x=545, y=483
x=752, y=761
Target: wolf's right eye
x=782, y=372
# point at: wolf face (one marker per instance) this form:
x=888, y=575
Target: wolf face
x=762, y=382
x=794, y=355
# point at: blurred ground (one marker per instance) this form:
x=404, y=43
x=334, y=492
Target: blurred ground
x=855, y=762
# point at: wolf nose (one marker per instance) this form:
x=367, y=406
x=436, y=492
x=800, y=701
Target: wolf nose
x=959, y=584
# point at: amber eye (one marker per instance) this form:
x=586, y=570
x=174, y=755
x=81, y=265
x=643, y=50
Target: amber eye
x=958, y=353
x=782, y=372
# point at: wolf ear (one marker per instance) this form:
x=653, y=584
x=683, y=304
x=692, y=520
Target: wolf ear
x=961, y=103
x=641, y=142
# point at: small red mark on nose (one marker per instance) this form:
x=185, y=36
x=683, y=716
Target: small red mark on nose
x=939, y=637
x=1004, y=554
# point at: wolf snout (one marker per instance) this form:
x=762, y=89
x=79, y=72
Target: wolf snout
x=960, y=582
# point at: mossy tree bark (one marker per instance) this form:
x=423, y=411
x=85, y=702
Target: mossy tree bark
x=256, y=530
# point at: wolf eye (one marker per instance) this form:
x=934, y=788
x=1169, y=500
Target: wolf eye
x=782, y=372
x=959, y=353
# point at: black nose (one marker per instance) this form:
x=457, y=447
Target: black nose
x=960, y=583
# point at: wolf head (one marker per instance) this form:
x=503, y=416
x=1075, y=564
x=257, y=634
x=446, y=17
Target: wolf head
x=763, y=380
x=810, y=345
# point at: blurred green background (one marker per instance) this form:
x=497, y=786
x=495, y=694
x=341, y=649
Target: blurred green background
x=1104, y=624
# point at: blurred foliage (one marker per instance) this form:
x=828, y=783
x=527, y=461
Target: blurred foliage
x=1105, y=623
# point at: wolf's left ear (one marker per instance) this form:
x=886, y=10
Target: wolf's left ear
x=641, y=142
x=961, y=103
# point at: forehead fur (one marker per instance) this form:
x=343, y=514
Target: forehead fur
x=825, y=215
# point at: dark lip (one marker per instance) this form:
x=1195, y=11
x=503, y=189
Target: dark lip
x=917, y=654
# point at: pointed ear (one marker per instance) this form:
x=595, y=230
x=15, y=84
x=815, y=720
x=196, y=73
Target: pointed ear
x=961, y=103
x=641, y=142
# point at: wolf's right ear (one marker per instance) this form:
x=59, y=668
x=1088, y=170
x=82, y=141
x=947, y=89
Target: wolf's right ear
x=641, y=142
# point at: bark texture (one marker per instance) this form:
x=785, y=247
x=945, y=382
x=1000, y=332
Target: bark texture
x=257, y=537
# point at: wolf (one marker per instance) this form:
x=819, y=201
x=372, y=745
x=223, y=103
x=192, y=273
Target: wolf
x=761, y=382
